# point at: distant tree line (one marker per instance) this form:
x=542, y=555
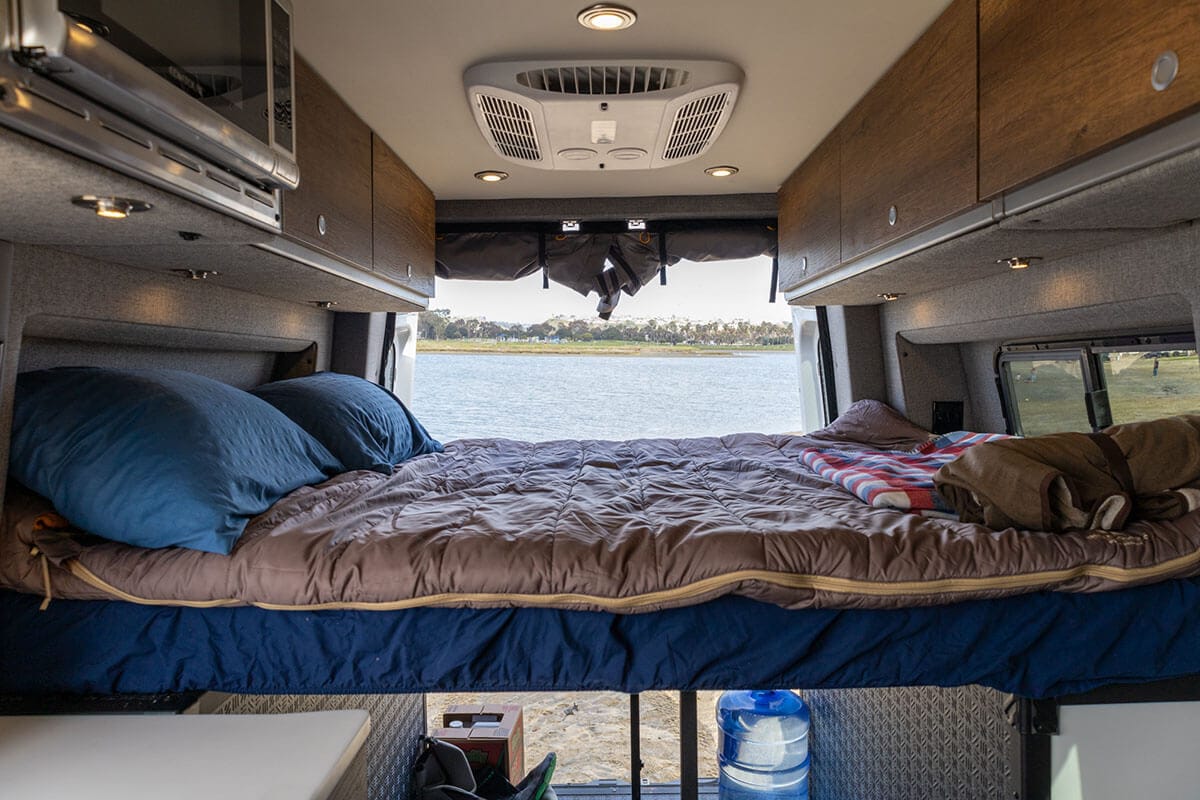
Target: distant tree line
x=438, y=324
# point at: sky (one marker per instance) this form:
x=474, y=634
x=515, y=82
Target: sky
x=725, y=290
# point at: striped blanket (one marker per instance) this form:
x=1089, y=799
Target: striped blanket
x=894, y=479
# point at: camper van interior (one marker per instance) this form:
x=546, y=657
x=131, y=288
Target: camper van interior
x=979, y=561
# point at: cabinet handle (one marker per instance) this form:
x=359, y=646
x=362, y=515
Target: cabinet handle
x=893, y=215
x=1166, y=67
x=321, y=226
x=410, y=270
x=803, y=265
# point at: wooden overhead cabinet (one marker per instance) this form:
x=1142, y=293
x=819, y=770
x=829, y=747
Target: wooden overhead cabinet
x=403, y=214
x=331, y=209
x=1060, y=80
x=909, y=148
x=810, y=214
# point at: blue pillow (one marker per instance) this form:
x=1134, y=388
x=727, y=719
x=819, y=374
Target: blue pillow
x=157, y=457
x=364, y=425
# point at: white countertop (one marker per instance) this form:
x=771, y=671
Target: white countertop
x=185, y=756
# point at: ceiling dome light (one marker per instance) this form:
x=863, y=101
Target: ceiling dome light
x=722, y=171
x=111, y=207
x=491, y=176
x=1018, y=262
x=605, y=17
x=196, y=274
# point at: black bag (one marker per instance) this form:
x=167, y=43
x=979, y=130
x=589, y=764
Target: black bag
x=442, y=772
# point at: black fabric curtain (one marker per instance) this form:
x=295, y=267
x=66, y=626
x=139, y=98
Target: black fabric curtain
x=608, y=263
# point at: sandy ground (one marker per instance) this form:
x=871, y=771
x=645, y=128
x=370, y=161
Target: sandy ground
x=589, y=731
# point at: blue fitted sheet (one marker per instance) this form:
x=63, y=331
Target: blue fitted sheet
x=1036, y=645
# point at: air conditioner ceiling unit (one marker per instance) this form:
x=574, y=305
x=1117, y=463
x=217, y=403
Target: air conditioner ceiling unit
x=602, y=114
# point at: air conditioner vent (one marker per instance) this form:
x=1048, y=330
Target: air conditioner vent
x=694, y=126
x=511, y=128
x=620, y=114
x=603, y=80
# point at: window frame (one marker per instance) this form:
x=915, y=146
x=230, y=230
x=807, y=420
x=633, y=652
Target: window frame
x=1088, y=352
x=1012, y=412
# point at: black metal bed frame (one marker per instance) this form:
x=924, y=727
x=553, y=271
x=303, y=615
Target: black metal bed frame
x=1036, y=722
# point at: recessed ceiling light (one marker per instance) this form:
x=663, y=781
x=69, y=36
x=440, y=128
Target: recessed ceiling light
x=722, y=171
x=605, y=17
x=1018, y=262
x=111, y=207
x=196, y=274
x=91, y=26
x=888, y=297
x=491, y=176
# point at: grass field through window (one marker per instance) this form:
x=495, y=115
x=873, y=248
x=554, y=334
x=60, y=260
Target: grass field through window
x=1137, y=391
x=1049, y=394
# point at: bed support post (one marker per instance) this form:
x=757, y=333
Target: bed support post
x=1035, y=721
x=689, y=766
x=635, y=747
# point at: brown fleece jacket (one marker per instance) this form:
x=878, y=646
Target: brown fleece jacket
x=1079, y=481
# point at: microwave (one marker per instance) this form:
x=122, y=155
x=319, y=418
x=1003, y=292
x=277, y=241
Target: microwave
x=215, y=76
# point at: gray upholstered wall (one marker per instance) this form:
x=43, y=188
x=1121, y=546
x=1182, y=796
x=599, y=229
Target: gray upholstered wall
x=358, y=348
x=984, y=410
x=939, y=345
x=64, y=308
x=7, y=360
x=6, y=255
x=857, y=354
x=930, y=372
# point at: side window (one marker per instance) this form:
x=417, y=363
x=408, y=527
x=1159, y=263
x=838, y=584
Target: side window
x=1045, y=391
x=1145, y=384
x=1089, y=385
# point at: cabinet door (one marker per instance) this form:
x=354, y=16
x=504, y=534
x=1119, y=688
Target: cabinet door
x=333, y=149
x=1063, y=79
x=404, y=221
x=810, y=215
x=909, y=147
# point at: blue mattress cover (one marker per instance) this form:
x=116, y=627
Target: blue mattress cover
x=1036, y=645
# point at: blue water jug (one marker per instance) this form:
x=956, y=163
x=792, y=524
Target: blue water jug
x=763, y=750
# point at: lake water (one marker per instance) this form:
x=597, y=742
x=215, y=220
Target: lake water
x=543, y=397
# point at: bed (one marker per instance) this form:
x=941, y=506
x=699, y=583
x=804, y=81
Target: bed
x=598, y=565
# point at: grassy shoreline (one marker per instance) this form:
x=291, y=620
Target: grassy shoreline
x=597, y=348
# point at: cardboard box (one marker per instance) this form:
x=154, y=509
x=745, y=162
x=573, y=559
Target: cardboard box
x=492, y=735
